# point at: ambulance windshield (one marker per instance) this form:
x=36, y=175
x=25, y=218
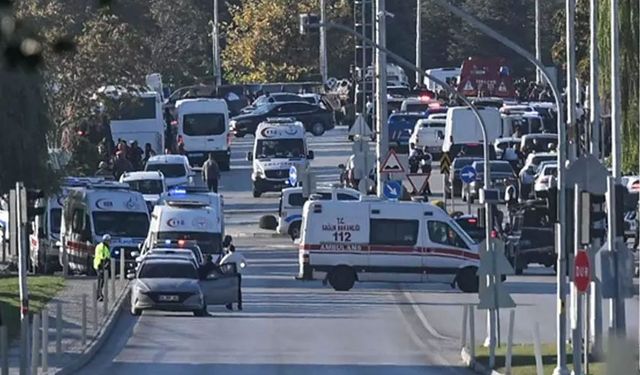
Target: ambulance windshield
x=121, y=224
x=280, y=148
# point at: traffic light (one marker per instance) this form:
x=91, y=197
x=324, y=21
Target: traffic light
x=32, y=196
x=597, y=216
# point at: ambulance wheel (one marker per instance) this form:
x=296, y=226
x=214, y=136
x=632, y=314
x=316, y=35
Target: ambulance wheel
x=342, y=278
x=256, y=193
x=135, y=312
x=294, y=230
x=317, y=129
x=201, y=312
x=467, y=280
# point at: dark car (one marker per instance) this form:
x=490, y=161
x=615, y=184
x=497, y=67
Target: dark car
x=502, y=176
x=276, y=97
x=400, y=126
x=470, y=224
x=455, y=183
x=531, y=236
x=314, y=118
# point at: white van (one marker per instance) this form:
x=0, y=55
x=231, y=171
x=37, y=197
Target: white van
x=184, y=218
x=203, y=124
x=427, y=133
x=150, y=184
x=175, y=169
x=376, y=240
x=95, y=210
x=462, y=126
x=291, y=202
x=280, y=143
x=443, y=74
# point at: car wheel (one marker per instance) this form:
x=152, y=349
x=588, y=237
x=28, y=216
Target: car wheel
x=256, y=193
x=467, y=280
x=342, y=278
x=135, y=312
x=294, y=230
x=201, y=312
x=317, y=129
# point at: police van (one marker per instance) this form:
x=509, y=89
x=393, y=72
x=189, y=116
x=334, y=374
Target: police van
x=280, y=143
x=375, y=240
x=97, y=209
x=203, y=124
x=291, y=202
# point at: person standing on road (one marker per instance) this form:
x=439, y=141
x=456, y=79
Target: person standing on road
x=101, y=259
x=121, y=165
x=211, y=173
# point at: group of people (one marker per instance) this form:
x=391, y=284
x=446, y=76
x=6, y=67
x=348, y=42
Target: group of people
x=127, y=157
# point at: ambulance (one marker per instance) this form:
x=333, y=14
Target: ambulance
x=43, y=251
x=183, y=216
x=100, y=208
x=376, y=240
x=280, y=144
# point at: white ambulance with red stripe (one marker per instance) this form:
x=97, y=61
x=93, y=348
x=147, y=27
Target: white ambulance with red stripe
x=377, y=240
x=100, y=208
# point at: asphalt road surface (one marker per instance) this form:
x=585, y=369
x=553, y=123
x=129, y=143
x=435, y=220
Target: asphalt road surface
x=296, y=327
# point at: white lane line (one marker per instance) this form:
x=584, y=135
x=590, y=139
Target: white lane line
x=423, y=319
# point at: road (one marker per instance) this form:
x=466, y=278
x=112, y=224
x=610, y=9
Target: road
x=294, y=327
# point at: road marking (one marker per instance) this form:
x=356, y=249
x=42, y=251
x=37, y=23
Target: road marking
x=423, y=319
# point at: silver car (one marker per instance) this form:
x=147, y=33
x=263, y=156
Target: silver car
x=173, y=284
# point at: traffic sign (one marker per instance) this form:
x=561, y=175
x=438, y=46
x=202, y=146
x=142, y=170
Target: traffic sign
x=493, y=262
x=418, y=181
x=468, y=174
x=293, y=175
x=445, y=163
x=391, y=163
x=360, y=128
x=581, y=271
x=392, y=189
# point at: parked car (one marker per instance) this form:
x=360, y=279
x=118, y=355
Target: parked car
x=545, y=179
x=315, y=119
x=471, y=225
x=502, y=176
x=531, y=236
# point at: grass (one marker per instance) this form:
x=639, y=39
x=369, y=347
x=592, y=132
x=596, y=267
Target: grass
x=523, y=361
x=41, y=290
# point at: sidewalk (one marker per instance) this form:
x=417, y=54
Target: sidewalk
x=71, y=301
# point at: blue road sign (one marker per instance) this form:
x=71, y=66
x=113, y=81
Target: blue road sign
x=293, y=175
x=392, y=189
x=468, y=174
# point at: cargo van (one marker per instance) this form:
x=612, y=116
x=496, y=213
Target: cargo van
x=375, y=240
x=203, y=124
x=95, y=210
x=462, y=127
x=280, y=143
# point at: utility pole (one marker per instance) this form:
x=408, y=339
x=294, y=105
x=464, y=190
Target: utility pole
x=21, y=216
x=571, y=78
x=538, y=48
x=324, y=68
x=382, y=140
x=617, y=313
x=418, y=41
x=215, y=42
x=594, y=99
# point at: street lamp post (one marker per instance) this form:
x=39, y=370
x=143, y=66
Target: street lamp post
x=538, y=48
x=215, y=42
x=418, y=40
x=382, y=143
x=324, y=67
x=561, y=232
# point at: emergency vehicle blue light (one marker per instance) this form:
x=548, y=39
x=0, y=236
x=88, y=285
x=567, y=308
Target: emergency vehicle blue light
x=168, y=242
x=177, y=191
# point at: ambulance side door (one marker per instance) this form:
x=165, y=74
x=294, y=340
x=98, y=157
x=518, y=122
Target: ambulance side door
x=445, y=249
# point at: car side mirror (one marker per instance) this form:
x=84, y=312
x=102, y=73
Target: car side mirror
x=249, y=156
x=310, y=155
x=227, y=240
x=341, y=166
x=135, y=254
x=131, y=276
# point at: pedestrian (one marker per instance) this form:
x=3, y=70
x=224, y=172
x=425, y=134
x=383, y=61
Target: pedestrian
x=208, y=267
x=181, y=148
x=232, y=250
x=104, y=170
x=121, y=165
x=211, y=173
x=135, y=155
x=101, y=259
x=148, y=152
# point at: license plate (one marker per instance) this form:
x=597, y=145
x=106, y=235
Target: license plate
x=168, y=298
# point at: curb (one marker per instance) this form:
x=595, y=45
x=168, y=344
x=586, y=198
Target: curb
x=475, y=365
x=101, y=337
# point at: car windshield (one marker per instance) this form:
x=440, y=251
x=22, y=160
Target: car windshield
x=539, y=159
x=209, y=243
x=495, y=167
x=417, y=107
x=460, y=163
x=280, y=148
x=551, y=171
x=263, y=109
x=146, y=186
x=202, y=124
x=168, y=170
x=121, y=224
x=167, y=270
x=55, y=220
